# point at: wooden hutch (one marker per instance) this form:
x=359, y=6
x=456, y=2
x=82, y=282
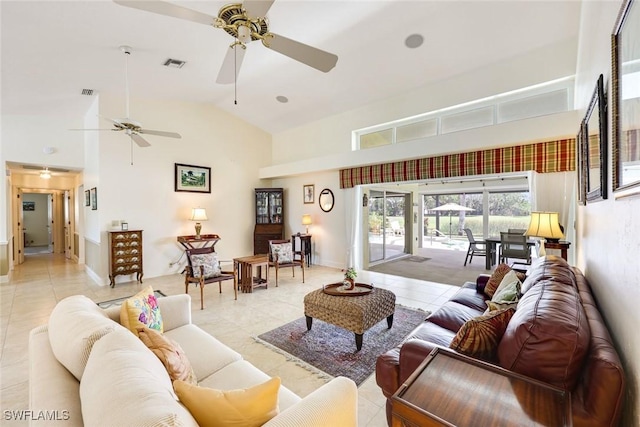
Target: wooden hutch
x=269, y=218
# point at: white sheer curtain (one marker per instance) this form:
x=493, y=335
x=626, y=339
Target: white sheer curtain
x=556, y=192
x=353, y=224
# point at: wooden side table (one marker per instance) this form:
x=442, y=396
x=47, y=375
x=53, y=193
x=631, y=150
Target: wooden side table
x=205, y=240
x=243, y=272
x=305, y=246
x=562, y=245
x=450, y=389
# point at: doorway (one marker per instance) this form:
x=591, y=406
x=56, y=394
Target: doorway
x=388, y=236
x=37, y=211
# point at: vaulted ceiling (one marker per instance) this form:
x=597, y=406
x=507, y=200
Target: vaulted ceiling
x=51, y=50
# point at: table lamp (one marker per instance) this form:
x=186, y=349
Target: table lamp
x=545, y=225
x=306, y=220
x=198, y=214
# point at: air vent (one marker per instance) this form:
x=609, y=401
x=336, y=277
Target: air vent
x=174, y=63
x=87, y=92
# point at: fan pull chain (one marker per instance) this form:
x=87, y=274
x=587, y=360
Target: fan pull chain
x=235, y=73
x=131, y=145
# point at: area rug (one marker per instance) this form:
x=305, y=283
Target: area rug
x=119, y=301
x=332, y=350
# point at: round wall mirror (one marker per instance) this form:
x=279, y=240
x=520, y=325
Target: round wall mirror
x=326, y=200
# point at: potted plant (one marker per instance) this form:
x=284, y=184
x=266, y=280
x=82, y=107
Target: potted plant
x=349, y=276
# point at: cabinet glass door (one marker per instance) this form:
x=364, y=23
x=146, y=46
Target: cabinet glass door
x=275, y=207
x=262, y=206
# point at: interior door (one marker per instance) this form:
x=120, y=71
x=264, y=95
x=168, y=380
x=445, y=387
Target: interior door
x=67, y=224
x=50, y=222
x=19, y=230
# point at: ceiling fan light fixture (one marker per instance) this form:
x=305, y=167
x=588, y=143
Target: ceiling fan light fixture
x=174, y=63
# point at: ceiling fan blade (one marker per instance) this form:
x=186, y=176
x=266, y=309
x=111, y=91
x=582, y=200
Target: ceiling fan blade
x=160, y=133
x=231, y=65
x=257, y=8
x=96, y=129
x=140, y=140
x=312, y=56
x=168, y=9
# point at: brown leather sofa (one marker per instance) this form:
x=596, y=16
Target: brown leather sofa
x=556, y=335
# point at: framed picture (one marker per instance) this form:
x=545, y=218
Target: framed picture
x=308, y=193
x=94, y=199
x=87, y=198
x=124, y=226
x=28, y=206
x=595, y=136
x=625, y=98
x=194, y=179
x=581, y=155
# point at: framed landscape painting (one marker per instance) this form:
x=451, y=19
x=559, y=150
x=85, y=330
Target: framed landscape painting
x=193, y=179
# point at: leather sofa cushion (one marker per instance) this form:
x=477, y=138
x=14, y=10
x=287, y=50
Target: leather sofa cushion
x=470, y=297
x=548, y=336
x=452, y=315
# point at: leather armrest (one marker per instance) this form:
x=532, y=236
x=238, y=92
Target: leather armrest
x=481, y=282
x=412, y=354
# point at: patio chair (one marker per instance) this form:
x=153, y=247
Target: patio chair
x=514, y=245
x=281, y=255
x=203, y=268
x=476, y=247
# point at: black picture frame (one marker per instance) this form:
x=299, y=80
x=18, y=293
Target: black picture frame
x=94, y=199
x=581, y=155
x=192, y=179
x=625, y=56
x=87, y=198
x=28, y=206
x=595, y=137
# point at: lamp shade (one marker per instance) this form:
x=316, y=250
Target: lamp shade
x=306, y=219
x=544, y=224
x=198, y=214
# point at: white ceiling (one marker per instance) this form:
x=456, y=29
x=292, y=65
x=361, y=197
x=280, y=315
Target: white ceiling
x=51, y=50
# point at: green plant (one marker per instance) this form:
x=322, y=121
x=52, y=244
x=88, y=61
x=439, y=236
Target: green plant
x=350, y=273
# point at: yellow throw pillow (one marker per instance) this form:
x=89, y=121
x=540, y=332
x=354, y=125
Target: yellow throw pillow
x=141, y=310
x=170, y=354
x=249, y=407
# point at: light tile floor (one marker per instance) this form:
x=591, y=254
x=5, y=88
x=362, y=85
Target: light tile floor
x=43, y=280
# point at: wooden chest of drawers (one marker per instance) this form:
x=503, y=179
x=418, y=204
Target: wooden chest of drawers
x=125, y=254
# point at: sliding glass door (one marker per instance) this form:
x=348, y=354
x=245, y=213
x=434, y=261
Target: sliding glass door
x=387, y=216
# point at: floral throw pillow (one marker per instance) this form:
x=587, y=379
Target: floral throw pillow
x=209, y=262
x=141, y=310
x=282, y=252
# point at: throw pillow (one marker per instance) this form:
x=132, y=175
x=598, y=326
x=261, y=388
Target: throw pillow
x=249, y=407
x=480, y=336
x=170, y=354
x=282, y=252
x=494, y=306
x=509, y=289
x=496, y=278
x=141, y=310
x=209, y=262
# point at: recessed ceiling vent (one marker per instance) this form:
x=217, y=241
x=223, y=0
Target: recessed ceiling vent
x=87, y=92
x=174, y=63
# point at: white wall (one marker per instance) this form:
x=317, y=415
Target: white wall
x=35, y=222
x=607, y=242
x=143, y=193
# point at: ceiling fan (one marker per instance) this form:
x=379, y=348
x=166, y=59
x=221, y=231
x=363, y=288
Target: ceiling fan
x=131, y=127
x=245, y=22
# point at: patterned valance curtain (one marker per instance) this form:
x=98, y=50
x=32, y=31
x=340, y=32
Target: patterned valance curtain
x=542, y=157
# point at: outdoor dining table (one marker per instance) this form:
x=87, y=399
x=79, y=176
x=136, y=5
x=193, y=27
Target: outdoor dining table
x=492, y=245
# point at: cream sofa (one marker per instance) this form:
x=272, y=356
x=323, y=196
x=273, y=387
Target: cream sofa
x=87, y=369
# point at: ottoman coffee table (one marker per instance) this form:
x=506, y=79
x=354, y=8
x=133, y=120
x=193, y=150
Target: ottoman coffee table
x=353, y=313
